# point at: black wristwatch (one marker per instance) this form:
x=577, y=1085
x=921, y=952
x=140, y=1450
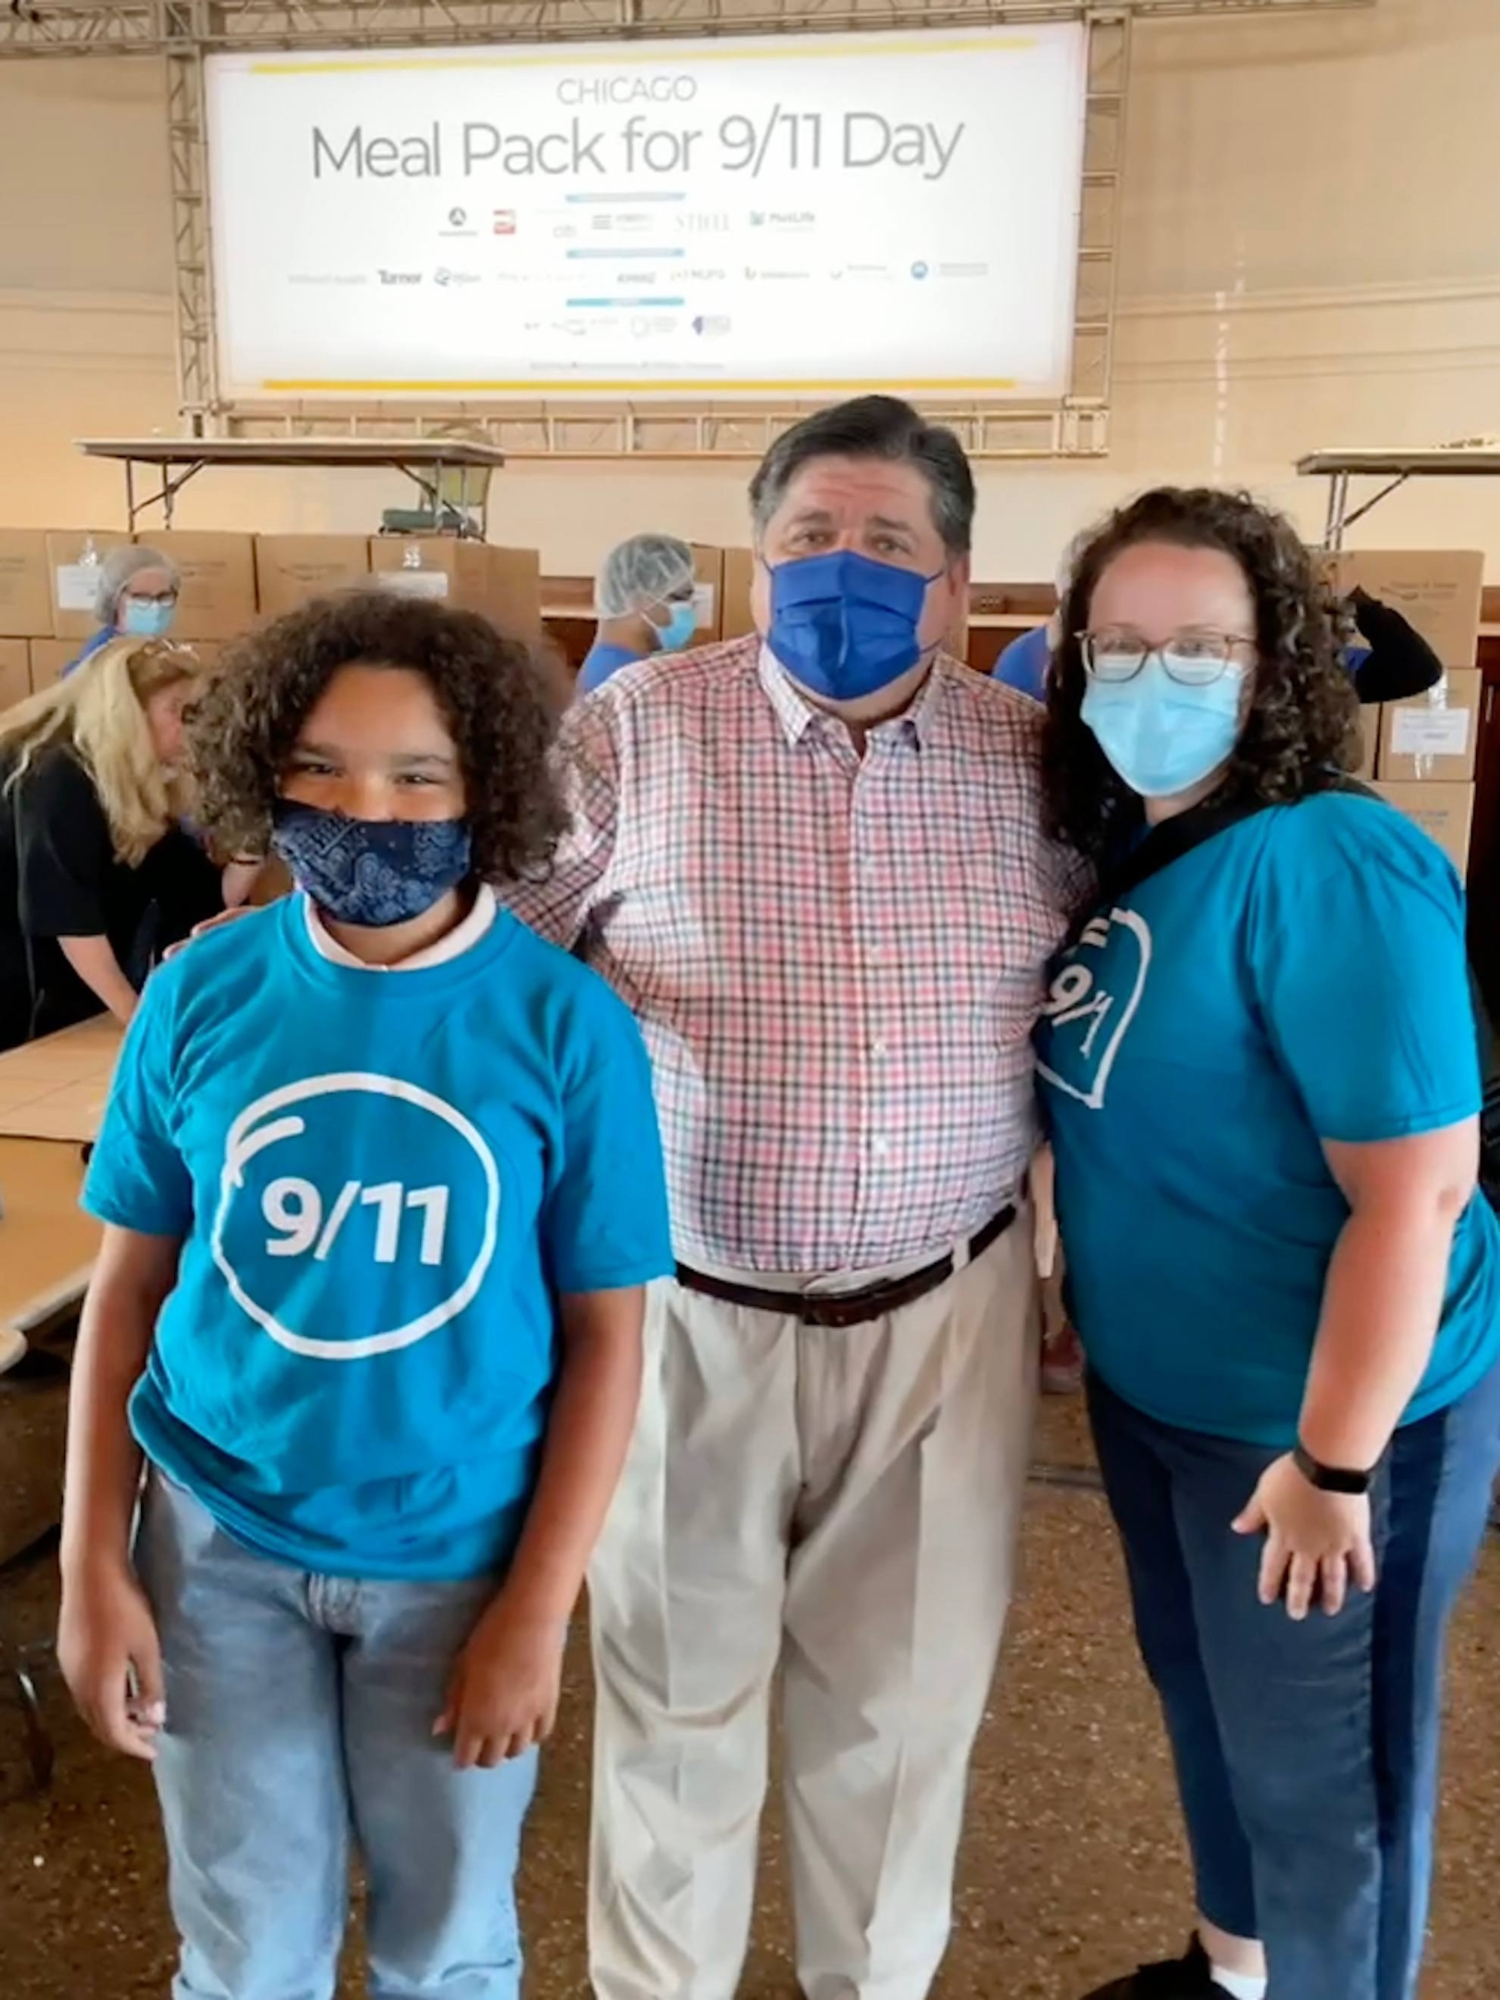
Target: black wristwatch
x=1329, y=1478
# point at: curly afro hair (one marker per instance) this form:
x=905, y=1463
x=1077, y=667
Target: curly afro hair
x=1303, y=723
x=489, y=689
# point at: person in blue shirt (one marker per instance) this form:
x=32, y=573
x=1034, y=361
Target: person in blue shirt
x=136, y=598
x=382, y=1187
x=1260, y=1070
x=1025, y=662
x=644, y=595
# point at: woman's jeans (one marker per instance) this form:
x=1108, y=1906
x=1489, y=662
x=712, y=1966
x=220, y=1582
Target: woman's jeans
x=299, y=1722
x=1306, y=1753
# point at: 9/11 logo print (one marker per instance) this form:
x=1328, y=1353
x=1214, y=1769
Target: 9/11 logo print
x=357, y=1214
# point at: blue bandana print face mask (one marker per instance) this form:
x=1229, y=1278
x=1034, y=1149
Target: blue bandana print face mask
x=372, y=872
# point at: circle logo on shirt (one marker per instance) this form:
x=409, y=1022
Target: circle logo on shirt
x=357, y=1214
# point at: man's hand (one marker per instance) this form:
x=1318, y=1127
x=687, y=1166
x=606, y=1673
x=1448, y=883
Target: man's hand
x=503, y=1696
x=1315, y=1542
x=209, y=924
x=111, y=1658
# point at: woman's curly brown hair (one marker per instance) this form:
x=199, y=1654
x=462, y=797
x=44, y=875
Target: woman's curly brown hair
x=488, y=688
x=1303, y=719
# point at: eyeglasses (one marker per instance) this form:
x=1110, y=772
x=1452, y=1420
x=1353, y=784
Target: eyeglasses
x=1192, y=659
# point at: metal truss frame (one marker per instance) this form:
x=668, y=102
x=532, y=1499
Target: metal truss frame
x=185, y=31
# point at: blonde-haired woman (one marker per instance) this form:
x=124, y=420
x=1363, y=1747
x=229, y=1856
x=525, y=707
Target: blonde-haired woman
x=96, y=873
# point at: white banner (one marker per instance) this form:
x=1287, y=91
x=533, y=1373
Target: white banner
x=798, y=216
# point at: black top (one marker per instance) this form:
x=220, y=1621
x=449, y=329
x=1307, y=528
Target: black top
x=60, y=877
x=1400, y=663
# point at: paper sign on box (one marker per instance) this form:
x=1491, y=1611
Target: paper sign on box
x=414, y=582
x=75, y=586
x=1430, y=732
x=1433, y=737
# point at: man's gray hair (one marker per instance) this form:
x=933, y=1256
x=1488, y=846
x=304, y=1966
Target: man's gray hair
x=116, y=570
x=880, y=427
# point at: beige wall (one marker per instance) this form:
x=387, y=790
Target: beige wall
x=1311, y=256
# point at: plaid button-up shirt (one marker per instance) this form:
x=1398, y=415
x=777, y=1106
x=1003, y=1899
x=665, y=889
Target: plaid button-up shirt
x=836, y=960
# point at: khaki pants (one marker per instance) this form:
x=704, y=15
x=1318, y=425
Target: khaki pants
x=845, y=1504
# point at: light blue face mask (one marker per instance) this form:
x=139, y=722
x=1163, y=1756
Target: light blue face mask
x=680, y=626
x=147, y=617
x=1161, y=737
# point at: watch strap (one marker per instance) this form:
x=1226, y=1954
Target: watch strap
x=1329, y=1478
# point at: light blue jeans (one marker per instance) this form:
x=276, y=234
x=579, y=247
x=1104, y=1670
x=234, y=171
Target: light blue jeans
x=299, y=1721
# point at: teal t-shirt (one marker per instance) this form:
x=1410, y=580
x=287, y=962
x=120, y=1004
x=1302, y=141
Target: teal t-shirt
x=382, y=1182
x=1300, y=977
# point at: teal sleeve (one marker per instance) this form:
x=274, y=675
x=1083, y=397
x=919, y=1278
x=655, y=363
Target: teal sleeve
x=606, y=1220
x=137, y=1178
x=1361, y=972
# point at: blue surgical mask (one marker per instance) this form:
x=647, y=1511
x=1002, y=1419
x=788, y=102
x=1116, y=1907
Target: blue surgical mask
x=146, y=617
x=843, y=625
x=1163, y=738
x=370, y=871
x=679, y=628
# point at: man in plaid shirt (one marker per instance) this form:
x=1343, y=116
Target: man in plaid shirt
x=813, y=864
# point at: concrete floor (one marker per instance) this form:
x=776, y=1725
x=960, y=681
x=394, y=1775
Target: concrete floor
x=1072, y=1868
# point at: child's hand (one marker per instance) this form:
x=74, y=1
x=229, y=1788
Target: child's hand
x=111, y=1659
x=505, y=1687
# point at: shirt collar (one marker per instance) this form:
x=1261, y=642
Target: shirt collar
x=459, y=939
x=797, y=715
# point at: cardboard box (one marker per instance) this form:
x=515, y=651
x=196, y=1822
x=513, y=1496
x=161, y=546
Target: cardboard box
x=736, y=621
x=503, y=585
x=1445, y=814
x=72, y=558
x=48, y=659
x=291, y=570
x=15, y=672
x=708, y=592
x=1434, y=736
x=25, y=594
x=217, y=599
x=1437, y=590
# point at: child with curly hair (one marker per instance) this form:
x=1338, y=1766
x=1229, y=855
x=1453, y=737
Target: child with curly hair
x=381, y=1185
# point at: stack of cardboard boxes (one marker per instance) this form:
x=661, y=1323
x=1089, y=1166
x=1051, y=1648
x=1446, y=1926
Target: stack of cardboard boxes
x=230, y=582
x=1421, y=753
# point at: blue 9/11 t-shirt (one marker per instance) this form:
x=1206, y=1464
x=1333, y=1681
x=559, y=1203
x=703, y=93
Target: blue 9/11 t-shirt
x=382, y=1182
x=1300, y=977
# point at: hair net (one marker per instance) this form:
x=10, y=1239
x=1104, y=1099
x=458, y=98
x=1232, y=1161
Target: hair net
x=646, y=570
x=116, y=570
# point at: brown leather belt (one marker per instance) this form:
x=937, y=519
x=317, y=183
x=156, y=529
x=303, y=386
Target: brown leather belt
x=843, y=1309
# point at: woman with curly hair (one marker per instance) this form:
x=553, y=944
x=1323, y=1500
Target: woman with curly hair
x=1260, y=1069
x=381, y=1186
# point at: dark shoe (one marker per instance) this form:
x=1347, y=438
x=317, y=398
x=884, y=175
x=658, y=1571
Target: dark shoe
x=1186, y=1978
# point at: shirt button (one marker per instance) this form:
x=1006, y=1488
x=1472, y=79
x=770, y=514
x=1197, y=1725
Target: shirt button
x=878, y=1048
x=882, y=1147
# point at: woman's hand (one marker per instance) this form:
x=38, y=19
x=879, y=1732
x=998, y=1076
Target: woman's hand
x=209, y=924
x=1315, y=1541
x=111, y=1658
x=504, y=1693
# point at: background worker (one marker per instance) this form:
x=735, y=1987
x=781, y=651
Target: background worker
x=137, y=598
x=644, y=598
